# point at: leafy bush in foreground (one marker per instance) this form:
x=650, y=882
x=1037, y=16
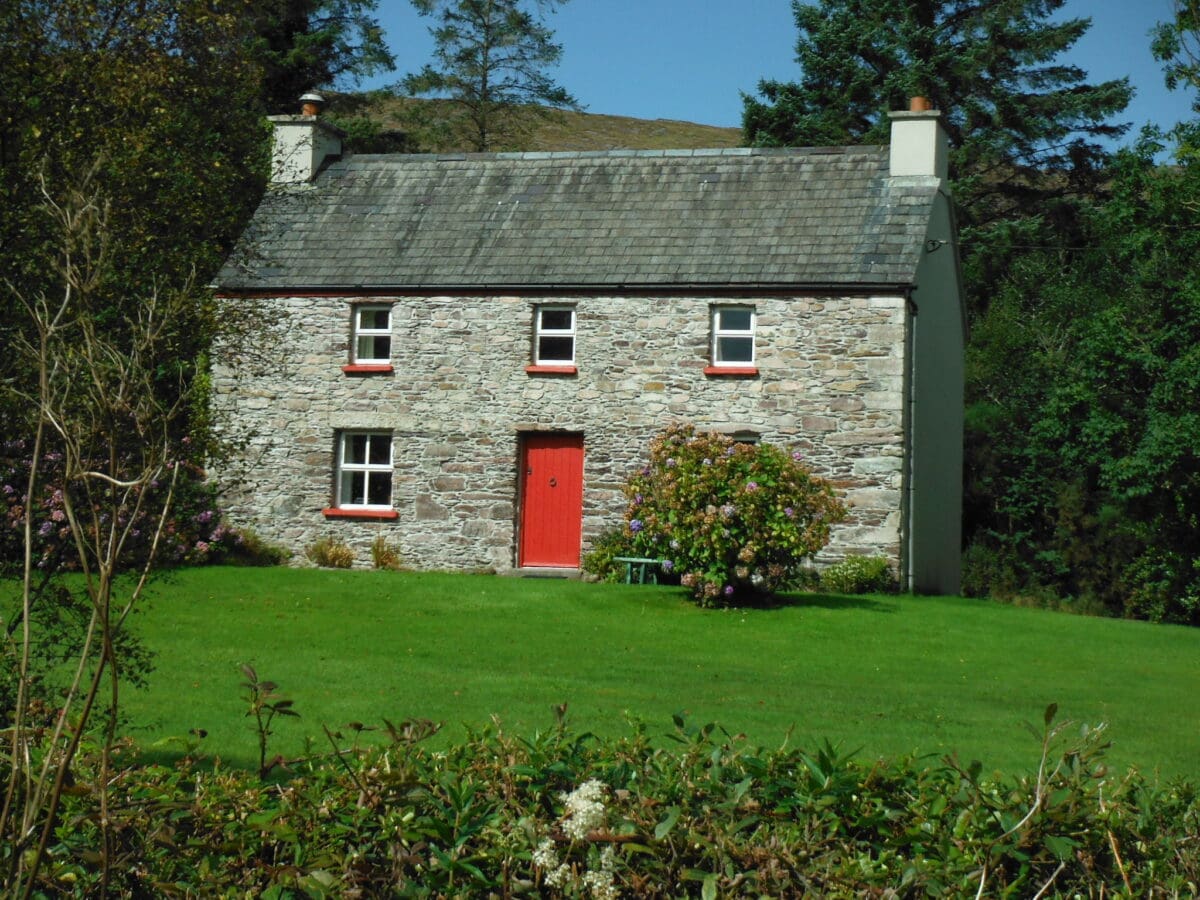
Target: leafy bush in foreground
x=736, y=520
x=562, y=814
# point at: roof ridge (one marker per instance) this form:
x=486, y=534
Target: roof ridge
x=622, y=153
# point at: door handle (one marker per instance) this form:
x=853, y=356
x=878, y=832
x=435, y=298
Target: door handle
x=553, y=482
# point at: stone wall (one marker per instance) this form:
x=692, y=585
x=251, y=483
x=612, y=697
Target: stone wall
x=830, y=382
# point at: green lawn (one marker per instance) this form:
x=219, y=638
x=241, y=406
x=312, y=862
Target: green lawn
x=887, y=674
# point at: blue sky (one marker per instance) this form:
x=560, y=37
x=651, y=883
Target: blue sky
x=692, y=59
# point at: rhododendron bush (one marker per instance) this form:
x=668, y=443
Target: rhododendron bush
x=735, y=520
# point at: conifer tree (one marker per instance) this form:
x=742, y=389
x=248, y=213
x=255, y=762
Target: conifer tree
x=491, y=62
x=1023, y=126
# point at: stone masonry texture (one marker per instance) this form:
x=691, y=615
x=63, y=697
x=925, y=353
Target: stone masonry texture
x=830, y=383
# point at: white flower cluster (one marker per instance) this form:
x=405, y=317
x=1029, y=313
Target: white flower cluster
x=584, y=809
x=600, y=881
x=544, y=857
x=583, y=813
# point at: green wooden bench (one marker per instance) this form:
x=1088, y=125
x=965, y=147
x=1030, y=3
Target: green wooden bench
x=640, y=569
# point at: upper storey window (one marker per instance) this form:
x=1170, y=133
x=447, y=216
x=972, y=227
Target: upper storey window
x=733, y=336
x=554, y=336
x=372, y=335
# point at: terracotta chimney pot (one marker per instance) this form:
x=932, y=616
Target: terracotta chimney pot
x=919, y=104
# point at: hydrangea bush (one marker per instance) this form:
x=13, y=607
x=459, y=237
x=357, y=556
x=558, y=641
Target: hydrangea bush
x=735, y=520
x=195, y=533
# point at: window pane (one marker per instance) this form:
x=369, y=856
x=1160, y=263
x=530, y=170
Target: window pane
x=734, y=319
x=353, y=488
x=379, y=489
x=735, y=349
x=374, y=347
x=356, y=448
x=381, y=450
x=557, y=319
x=374, y=318
x=556, y=349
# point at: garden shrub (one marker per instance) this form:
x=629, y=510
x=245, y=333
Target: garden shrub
x=385, y=555
x=859, y=575
x=561, y=814
x=250, y=549
x=735, y=520
x=605, y=548
x=330, y=553
x=195, y=532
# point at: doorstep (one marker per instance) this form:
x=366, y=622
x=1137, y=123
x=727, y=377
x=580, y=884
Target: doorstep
x=544, y=572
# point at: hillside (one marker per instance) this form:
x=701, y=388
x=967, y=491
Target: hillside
x=557, y=131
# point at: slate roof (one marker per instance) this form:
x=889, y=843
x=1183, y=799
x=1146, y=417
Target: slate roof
x=721, y=218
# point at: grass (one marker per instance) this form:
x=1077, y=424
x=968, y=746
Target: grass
x=889, y=675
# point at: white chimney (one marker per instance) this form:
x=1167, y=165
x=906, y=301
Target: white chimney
x=919, y=145
x=303, y=143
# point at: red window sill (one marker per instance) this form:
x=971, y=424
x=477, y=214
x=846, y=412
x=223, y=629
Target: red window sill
x=381, y=369
x=551, y=370
x=731, y=370
x=334, y=512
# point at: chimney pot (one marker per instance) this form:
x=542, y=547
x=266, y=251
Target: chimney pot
x=311, y=103
x=919, y=104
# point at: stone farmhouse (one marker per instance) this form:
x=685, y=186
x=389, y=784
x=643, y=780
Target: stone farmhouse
x=475, y=350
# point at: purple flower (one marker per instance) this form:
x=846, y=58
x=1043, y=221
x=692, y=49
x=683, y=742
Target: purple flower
x=797, y=455
x=752, y=486
x=789, y=512
x=670, y=462
x=667, y=565
x=46, y=528
x=204, y=516
x=729, y=590
x=731, y=449
x=637, y=499
x=635, y=525
x=8, y=489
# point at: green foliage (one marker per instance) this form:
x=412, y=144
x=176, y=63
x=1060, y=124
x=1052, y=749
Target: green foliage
x=599, y=560
x=385, y=555
x=1177, y=45
x=250, y=549
x=491, y=61
x=735, y=520
x=1084, y=475
x=330, y=553
x=556, y=813
x=305, y=44
x=263, y=704
x=859, y=575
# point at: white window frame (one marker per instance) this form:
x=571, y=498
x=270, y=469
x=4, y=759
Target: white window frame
x=357, y=332
x=719, y=332
x=539, y=331
x=368, y=468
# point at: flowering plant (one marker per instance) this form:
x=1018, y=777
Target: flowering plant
x=194, y=533
x=734, y=519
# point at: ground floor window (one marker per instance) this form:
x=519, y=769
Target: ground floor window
x=364, y=470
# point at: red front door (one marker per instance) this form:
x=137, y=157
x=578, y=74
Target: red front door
x=551, y=500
